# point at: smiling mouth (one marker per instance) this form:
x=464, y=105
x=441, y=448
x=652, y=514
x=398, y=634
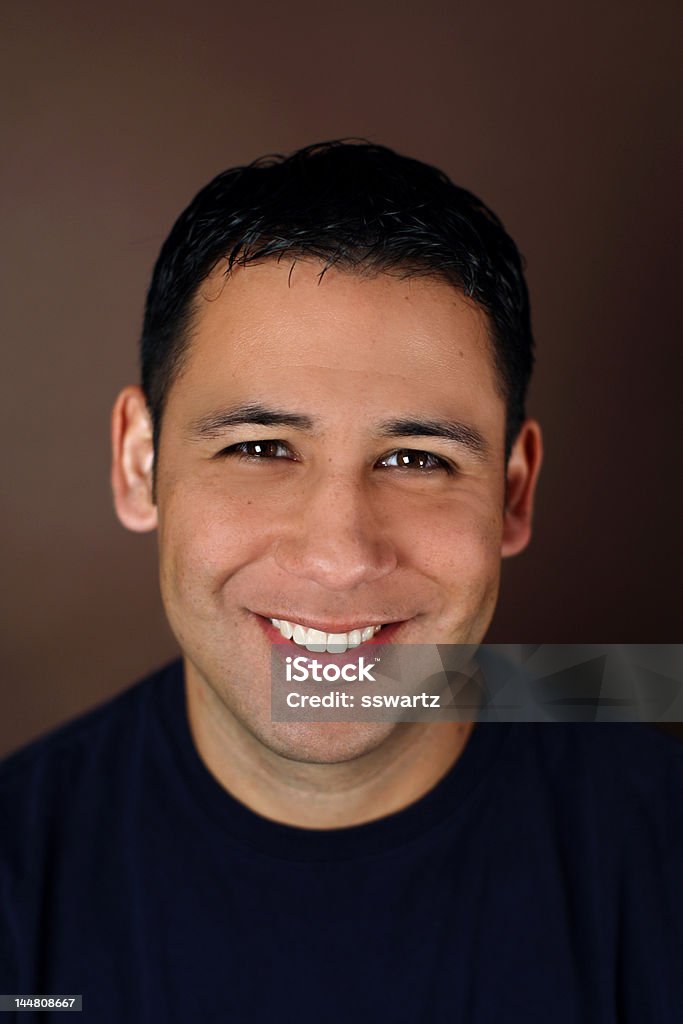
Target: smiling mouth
x=321, y=641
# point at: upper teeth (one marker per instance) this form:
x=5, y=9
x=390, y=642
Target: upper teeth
x=316, y=640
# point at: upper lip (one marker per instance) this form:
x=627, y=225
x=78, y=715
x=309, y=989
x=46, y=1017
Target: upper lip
x=329, y=627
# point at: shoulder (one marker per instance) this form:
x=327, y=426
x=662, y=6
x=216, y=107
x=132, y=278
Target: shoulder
x=65, y=807
x=622, y=747
x=627, y=777
x=39, y=778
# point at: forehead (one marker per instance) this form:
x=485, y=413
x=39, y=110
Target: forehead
x=274, y=328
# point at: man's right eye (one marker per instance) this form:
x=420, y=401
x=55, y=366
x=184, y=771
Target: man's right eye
x=253, y=451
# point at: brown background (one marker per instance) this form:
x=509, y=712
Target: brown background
x=561, y=116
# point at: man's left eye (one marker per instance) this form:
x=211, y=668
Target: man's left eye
x=408, y=458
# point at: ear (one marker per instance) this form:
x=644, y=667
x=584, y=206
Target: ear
x=520, y=487
x=132, y=467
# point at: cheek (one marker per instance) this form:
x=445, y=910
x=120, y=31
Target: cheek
x=465, y=560
x=456, y=543
x=203, y=541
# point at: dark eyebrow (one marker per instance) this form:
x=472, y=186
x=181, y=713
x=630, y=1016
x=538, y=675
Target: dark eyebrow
x=212, y=425
x=449, y=430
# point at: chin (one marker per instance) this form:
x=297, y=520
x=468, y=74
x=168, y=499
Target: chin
x=325, y=742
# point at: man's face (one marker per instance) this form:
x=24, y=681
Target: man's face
x=355, y=508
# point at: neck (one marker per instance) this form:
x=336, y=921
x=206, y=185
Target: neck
x=379, y=770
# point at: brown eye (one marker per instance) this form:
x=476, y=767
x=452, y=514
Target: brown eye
x=409, y=458
x=255, y=451
x=263, y=449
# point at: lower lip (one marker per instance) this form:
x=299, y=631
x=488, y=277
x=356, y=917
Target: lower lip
x=385, y=636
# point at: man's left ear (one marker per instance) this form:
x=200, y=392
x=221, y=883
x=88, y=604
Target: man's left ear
x=520, y=487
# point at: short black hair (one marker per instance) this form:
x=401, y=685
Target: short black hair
x=355, y=205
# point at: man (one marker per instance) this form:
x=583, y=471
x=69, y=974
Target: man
x=331, y=442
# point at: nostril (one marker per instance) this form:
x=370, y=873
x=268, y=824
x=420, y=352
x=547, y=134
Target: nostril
x=337, y=565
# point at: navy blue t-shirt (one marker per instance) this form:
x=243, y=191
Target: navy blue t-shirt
x=539, y=882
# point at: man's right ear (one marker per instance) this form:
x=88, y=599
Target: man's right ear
x=132, y=468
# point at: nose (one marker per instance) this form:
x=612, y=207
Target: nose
x=336, y=536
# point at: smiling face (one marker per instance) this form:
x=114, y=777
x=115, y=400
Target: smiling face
x=331, y=455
